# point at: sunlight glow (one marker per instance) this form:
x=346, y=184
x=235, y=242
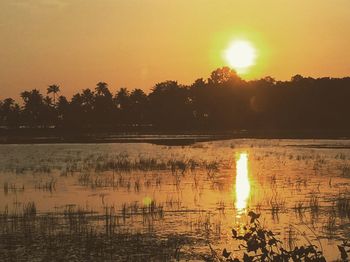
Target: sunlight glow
x=240, y=55
x=242, y=183
x=147, y=201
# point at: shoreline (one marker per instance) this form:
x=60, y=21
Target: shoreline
x=44, y=136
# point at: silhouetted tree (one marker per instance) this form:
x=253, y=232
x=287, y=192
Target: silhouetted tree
x=63, y=111
x=170, y=105
x=54, y=89
x=103, y=105
x=33, y=108
x=9, y=113
x=223, y=101
x=102, y=89
x=122, y=102
x=224, y=75
x=202, y=102
x=138, y=103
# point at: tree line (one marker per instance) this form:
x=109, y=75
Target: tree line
x=223, y=101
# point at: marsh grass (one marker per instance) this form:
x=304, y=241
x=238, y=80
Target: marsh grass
x=12, y=188
x=212, y=168
x=330, y=226
x=102, y=162
x=123, y=173
x=82, y=234
x=277, y=204
x=299, y=209
x=345, y=170
x=342, y=205
x=314, y=203
x=49, y=185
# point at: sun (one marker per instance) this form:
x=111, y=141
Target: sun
x=240, y=55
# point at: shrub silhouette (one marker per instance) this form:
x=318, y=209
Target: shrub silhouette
x=259, y=244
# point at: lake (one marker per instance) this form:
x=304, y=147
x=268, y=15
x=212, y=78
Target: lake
x=140, y=201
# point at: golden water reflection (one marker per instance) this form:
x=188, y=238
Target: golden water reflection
x=242, y=183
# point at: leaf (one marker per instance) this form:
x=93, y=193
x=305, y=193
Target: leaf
x=261, y=234
x=343, y=253
x=272, y=242
x=252, y=245
x=247, y=235
x=270, y=233
x=234, y=233
x=253, y=216
x=247, y=258
x=225, y=253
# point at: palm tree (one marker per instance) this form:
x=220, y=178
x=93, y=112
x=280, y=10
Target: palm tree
x=54, y=89
x=47, y=101
x=88, y=99
x=9, y=112
x=33, y=107
x=102, y=89
x=25, y=96
x=137, y=96
x=122, y=98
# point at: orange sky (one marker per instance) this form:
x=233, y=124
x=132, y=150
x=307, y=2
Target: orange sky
x=136, y=43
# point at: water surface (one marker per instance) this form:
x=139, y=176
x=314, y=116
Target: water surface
x=197, y=192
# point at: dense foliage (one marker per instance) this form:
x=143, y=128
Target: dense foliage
x=223, y=101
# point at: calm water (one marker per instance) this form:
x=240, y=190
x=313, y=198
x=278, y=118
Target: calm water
x=200, y=191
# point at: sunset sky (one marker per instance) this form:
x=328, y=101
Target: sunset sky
x=137, y=43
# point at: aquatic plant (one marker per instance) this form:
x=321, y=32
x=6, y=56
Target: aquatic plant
x=342, y=205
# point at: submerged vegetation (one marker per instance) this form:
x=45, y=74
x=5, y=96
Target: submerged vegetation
x=116, y=163
x=78, y=234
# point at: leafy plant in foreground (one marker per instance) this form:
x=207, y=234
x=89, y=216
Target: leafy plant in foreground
x=259, y=244
x=344, y=249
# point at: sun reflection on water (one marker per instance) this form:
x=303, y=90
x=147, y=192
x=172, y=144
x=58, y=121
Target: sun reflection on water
x=242, y=183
